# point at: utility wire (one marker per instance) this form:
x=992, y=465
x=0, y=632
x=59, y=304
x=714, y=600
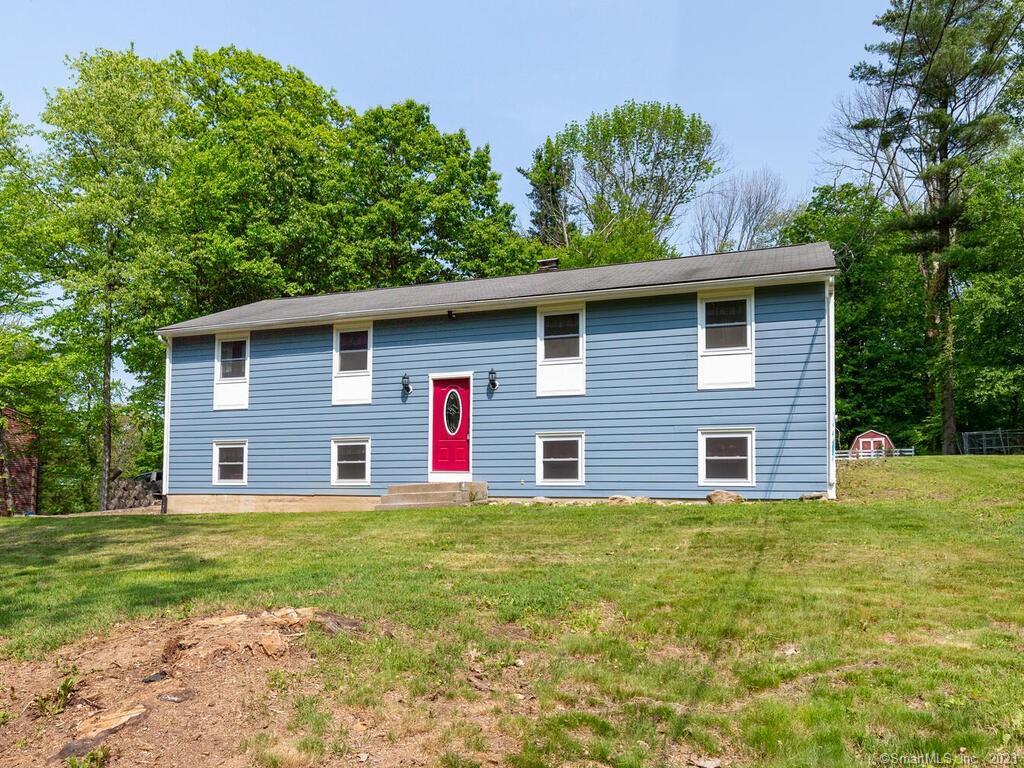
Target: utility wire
x=892, y=89
x=917, y=98
x=995, y=61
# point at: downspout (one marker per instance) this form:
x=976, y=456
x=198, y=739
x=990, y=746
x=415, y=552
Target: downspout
x=166, y=469
x=830, y=367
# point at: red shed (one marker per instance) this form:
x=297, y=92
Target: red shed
x=24, y=467
x=871, y=443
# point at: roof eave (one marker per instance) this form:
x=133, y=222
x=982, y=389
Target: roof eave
x=804, y=276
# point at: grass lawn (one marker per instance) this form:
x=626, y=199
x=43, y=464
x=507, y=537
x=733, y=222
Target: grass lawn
x=889, y=623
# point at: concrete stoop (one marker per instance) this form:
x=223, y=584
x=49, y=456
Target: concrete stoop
x=426, y=495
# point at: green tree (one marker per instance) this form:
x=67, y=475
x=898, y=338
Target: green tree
x=953, y=77
x=880, y=359
x=20, y=282
x=282, y=190
x=109, y=151
x=190, y=185
x=253, y=195
x=37, y=379
x=250, y=208
x=990, y=305
x=550, y=177
x=631, y=239
x=21, y=208
x=278, y=189
x=211, y=180
x=420, y=205
x=638, y=165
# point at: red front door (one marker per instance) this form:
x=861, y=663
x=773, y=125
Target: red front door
x=449, y=437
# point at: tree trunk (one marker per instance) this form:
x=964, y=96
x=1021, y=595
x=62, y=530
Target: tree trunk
x=107, y=408
x=949, y=444
x=944, y=300
x=5, y=476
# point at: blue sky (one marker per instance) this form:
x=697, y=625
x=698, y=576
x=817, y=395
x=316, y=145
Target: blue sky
x=765, y=74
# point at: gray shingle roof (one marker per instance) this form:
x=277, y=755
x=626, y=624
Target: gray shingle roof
x=471, y=294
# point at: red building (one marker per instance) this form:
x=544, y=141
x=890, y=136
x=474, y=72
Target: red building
x=24, y=466
x=871, y=443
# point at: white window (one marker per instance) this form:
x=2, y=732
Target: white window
x=350, y=461
x=726, y=457
x=725, y=340
x=561, y=351
x=231, y=371
x=353, y=365
x=725, y=324
x=230, y=462
x=560, y=458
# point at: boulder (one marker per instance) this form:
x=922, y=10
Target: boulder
x=724, y=497
x=620, y=499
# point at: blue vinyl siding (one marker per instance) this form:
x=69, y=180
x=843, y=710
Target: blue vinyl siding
x=640, y=414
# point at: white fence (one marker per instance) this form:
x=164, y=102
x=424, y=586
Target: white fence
x=879, y=453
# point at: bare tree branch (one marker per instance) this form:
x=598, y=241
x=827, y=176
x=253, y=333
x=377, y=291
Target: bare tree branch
x=745, y=211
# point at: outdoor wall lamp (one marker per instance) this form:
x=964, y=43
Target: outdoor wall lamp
x=406, y=384
x=492, y=380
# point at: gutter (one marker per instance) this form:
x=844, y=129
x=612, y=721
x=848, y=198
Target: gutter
x=816, y=275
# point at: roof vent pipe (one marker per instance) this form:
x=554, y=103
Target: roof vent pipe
x=547, y=265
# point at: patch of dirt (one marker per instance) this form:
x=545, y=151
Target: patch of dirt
x=674, y=652
x=925, y=637
x=202, y=673
x=1009, y=626
x=681, y=757
x=512, y=632
x=198, y=692
x=603, y=616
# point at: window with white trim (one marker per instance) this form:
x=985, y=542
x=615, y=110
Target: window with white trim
x=230, y=462
x=234, y=358
x=231, y=371
x=353, y=351
x=350, y=461
x=725, y=340
x=725, y=324
x=561, y=351
x=726, y=456
x=353, y=365
x=560, y=458
x=561, y=336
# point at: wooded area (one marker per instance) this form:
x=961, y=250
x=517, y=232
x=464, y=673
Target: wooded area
x=152, y=191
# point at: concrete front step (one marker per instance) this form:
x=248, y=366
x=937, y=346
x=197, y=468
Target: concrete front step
x=424, y=495
x=480, y=488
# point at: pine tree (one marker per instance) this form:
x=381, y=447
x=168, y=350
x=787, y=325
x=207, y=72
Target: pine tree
x=954, y=78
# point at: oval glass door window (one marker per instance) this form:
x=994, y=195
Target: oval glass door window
x=452, y=412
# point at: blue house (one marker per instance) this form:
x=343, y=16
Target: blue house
x=666, y=379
